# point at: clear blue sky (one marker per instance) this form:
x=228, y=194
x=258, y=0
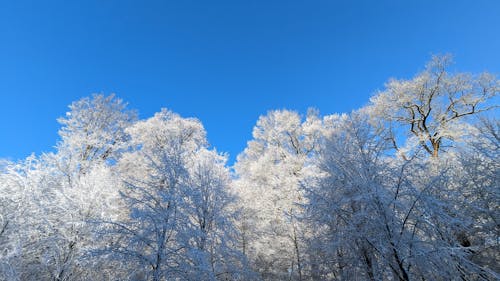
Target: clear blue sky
x=225, y=62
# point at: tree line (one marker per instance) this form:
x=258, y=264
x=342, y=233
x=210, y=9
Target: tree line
x=405, y=188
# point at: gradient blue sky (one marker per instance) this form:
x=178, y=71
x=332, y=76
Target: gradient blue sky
x=224, y=62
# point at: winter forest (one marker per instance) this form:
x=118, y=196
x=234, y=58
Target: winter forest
x=404, y=188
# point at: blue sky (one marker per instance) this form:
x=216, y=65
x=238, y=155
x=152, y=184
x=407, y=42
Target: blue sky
x=224, y=62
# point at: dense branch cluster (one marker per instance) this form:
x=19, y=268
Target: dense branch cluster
x=406, y=188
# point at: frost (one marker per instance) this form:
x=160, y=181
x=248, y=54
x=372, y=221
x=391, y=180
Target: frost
x=405, y=188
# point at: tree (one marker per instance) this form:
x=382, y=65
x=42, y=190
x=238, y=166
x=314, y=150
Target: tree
x=212, y=218
x=347, y=203
x=378, y=217
x=154, y=238
x=59, y=193
x=11, y=202
x=432, y=105
x=477, y=175
x=83, y=186
x=269, y=172
x=174, y=189
x=94, y=130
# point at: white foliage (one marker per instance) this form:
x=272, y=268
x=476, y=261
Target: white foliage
x=314, y=198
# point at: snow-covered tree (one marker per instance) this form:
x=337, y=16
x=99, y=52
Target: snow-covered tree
x=345, y=197
x=477, y=177
x=383, y=218
x=154, y=240
x=57, y=194
x=214, y=233
x=432, y=106
x=94, y=130
x=176, y=194
x=269, y=172
x=12, y=197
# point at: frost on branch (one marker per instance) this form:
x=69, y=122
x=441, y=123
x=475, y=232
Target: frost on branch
x=310, y=198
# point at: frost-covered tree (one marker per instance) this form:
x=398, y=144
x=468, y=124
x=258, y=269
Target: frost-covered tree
x=57, y=194
x=154, y=240
x=40, y=252
x=382, y=218
x=12, y=201
x=82, y=182
x=214, y=242
x=176, y=194
x=432, y=106
x=346, y=202
x=269, y=172
x=94, y=130
x=47, y=234
x=477, y=177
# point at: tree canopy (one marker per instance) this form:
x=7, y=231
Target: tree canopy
x=405, y=188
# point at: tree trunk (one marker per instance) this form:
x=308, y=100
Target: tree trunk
x=297, y=253
x=435, y=147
